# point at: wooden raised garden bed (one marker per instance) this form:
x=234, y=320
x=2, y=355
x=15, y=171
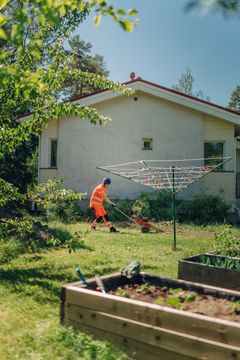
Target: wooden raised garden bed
x=149, y=331
x=211, y=269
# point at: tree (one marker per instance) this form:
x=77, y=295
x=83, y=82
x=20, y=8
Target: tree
x=20, y=168
x=234, y=102
x=27, y=84
x=185, y=85
x=84, y=61
x=228, y=7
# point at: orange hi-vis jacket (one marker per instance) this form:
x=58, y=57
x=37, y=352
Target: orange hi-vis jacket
x=98, y=195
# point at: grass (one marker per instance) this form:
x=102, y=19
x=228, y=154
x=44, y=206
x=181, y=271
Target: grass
x=31, y=283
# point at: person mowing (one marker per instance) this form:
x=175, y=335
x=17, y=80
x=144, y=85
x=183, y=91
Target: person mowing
x=96, y=203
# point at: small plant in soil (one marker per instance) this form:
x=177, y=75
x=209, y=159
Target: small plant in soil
x=236, y=307
x=223, y=263
x=122, y=293
x=145, y=288
x=179, y=297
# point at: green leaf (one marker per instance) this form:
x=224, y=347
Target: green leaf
x=97, y=20
x=190, y=297
x=159, y=301
x=126, y=25
x=3, y=19
x=132, y=12
x=62, y=11
x=3, y=35
x=36, y=54
x=3, y=3
x=121, y=12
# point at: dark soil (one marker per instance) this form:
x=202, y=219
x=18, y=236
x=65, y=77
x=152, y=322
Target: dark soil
x=182, y=299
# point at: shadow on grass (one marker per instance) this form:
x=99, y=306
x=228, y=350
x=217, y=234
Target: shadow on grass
x=65, y=236
x=43, y=281
x=40, y=283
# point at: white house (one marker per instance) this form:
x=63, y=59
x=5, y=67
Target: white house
x=153, y=123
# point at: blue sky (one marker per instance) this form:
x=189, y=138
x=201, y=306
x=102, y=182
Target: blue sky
x=166, y=42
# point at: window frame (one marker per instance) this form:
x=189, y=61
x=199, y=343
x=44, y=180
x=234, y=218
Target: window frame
x=150, y=140
x=223, y=142
x=51, y=152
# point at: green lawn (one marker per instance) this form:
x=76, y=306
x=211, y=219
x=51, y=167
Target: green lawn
x=30, y=287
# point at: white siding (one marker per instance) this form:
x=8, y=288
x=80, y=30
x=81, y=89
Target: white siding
x=46, y=174
x=221, y=184
x=177, y=132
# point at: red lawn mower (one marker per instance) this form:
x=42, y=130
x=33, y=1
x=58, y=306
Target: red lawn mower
x=143, y=222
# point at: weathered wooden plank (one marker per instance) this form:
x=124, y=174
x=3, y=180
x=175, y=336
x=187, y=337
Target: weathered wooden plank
x=189, y=269
x=115, y=280
x=136, y=349
x=194, y=324
x=184, y=344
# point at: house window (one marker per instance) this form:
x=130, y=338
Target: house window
x=147, y=143
x=213, y=153
x=53, y=155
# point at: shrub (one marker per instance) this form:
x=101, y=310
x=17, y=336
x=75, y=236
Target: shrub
x=24, y=234
x=123, y=205
x=155, y=206
x=58, y=203
x=205, y=209
x=226, y=243
x=63, y=208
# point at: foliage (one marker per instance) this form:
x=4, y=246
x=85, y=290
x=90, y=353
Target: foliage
x=20, y=168
x=31, y=73
x=185, y=85
x=205, y=209
x=58, y=203
x=30, y=284
x=221, y=262
x=155, y=206
x=176, y=298
x=235, y=96
x=26, y=234
x=82, y=59
x=228, y=7
x=9, y=194
x=125, y=206
x=226, y=243
x=122, y=293
x=236, y=307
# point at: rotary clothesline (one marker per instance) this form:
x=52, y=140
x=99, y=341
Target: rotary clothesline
x=171, y=175
x=160, y=177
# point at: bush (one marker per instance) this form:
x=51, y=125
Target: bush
x=155, y=206
x=226, y=243
x=24, y=234
x=206, y=209
x=63, y=209
x=58, y=203
x=123, y=205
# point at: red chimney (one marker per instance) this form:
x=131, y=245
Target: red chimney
x=132, y=76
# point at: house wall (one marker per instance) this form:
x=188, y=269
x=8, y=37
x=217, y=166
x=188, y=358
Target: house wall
x=177, y=132
x=221, y=183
